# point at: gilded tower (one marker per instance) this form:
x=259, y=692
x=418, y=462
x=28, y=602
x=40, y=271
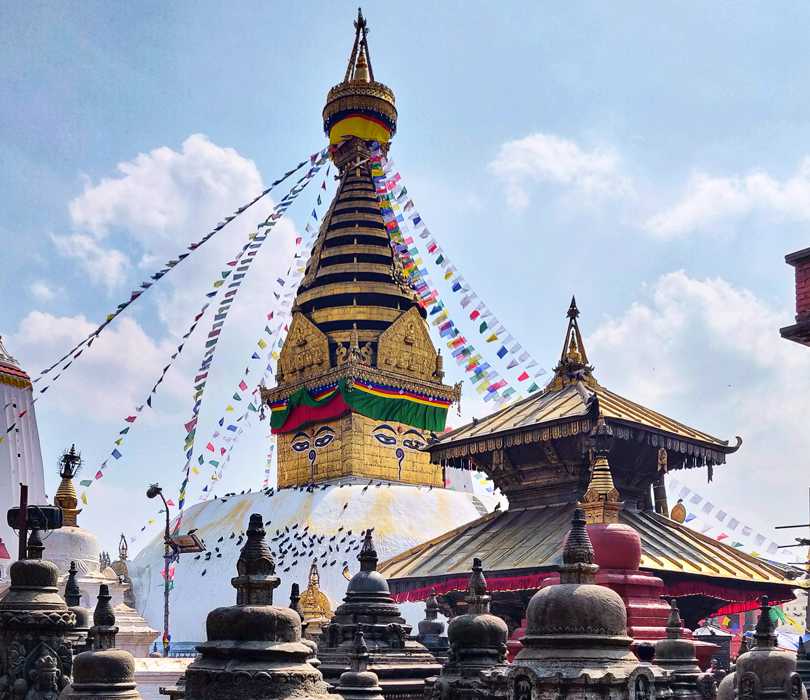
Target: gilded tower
x=359, y=382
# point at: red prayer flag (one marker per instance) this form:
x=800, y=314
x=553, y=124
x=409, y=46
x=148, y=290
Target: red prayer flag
x=270, y=316
x=222, y=450
x=523, y=377
x=170, y=502
x=474, y=314
x=131, y=419
x=99, y=474
x=243, y=386
x=210, y=447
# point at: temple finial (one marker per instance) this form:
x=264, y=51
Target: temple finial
x=255, y=568
x=477, y=594
x=368, y=554
x=573, y=365
x=578, y=558
x=359, y=68
x=66, y=497
x=674, y=622
x=764, y=632
x=573, y=311
x=600, y=502
x=73, y=594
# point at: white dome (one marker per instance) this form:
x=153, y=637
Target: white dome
x=69, y=544
x=402, y=516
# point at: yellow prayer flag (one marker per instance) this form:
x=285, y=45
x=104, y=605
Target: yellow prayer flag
x=492, y=338
x=229, y=408
x=195, y=470
x=448, y=274
x=84, y=498
x=274, y=354
x=262, y=343
x=151, y=521
x=119, y=441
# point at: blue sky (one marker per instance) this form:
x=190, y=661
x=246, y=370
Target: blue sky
x=651, y=159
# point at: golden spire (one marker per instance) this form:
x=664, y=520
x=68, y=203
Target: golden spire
x=573, y=365
x=314, y=603
x=66, y=497
x=601, y=499
x=362, y=69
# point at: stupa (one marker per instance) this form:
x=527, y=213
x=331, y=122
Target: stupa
x=315, y=606
x=74, y=547
x=432, y=630
x=360, y=391
x=358, y=683
x=477, y=665
x=401, y=664
x=254, y=649
x=20, y=455
x=103, y=672
x=764, y=671
x=576, y=641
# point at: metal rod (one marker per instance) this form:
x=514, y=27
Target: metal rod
x=789, y=527
x=22, y=552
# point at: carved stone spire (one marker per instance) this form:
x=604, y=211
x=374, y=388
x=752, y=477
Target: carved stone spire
x=578, y=561
x=104, y=628
x=368, y=554
x=256, y=580
x=600, y=502
x=477, y=597
x=73, y=595
x=764, y=632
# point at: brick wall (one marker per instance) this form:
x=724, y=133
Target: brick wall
x=801, y=262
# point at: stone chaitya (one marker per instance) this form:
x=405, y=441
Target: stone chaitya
x=476, y=666
x=359, y=683
x=576, y=640
x=765, y=671
x=677, y=655
x=402, y=664
x=84, y=616
x=431, y=630
x=254, y=648
x=36, y=657
x=103, y=672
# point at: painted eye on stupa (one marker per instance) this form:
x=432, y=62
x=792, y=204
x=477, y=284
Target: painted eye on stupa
x=413, y=440
x=385, y=434
x=323, y=437
x=300, y=442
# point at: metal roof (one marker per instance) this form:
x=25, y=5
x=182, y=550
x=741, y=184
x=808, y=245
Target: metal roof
x=573, y=401
x=532, y=538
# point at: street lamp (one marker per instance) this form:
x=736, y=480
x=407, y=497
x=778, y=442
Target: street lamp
x=168, y=554
x=173, y=547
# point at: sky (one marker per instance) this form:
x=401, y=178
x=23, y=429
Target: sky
x=654, y=160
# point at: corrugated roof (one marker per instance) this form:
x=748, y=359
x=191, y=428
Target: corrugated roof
x=574, y=401
x=531, y=538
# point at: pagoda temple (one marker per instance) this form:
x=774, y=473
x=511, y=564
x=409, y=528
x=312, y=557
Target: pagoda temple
x=541, y=452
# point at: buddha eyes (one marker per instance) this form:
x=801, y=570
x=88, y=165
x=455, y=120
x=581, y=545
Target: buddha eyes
x=413, y=444
x=323, y=440
x=300, y=444
x=385, y=439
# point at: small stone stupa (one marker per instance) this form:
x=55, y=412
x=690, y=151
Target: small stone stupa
x=84, y=617
x=36, y=658
x=401, y=664
x=103, y=672
x=576, y=640
x=431, y=630
x=254, y=648
x=765, y=671
x=476, y=667
x=677, y=655
x=359, y=683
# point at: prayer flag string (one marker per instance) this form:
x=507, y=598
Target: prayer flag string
x=76, y=351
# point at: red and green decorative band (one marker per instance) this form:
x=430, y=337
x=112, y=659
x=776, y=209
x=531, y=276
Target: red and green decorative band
x=370, y=399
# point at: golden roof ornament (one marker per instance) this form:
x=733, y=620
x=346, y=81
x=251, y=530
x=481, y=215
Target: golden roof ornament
x=573, y=365
x=66, y=497
x=313, y=603
x=600, y=502
x=358, y=110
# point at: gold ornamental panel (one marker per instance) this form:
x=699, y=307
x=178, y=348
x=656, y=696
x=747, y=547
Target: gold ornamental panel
x=355, y=250
x=405, y=347
x=353, y=268
x=305, y=352
x=362, y=287
x=355, y=313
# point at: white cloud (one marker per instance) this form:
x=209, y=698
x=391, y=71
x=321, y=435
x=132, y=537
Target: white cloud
x=710, y=201
x=110, y=378
x=105, y=266
x=41, y=291
x=709, y=353
x=547, y=158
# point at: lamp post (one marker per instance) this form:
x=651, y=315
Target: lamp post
x=168, y=554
